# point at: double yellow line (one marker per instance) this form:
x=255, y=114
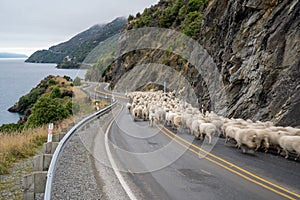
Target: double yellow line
x=222, y=162
x=230, y=166
x=108, y=94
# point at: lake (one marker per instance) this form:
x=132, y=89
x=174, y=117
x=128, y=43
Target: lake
x=17, y=78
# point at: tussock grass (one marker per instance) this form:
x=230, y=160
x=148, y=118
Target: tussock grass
x=15, y=146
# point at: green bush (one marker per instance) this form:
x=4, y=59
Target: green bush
x=52, y=82
x=68, y=78
x=130, y=17
x=167, y=18
x=55, y=93
x=191, y=23
x=29, y=99
x=11, y=127
x=47, y=110
x=72, y=107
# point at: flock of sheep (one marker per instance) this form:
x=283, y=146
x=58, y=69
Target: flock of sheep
x=159, y=107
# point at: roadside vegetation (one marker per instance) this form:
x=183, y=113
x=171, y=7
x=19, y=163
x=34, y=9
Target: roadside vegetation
x=60, y=103
x=183, y=14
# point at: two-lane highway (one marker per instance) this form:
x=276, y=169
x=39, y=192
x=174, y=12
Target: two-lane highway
x=157, y=163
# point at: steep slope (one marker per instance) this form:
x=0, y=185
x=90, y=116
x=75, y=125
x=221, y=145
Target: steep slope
x=71, y=53
x=255, y=45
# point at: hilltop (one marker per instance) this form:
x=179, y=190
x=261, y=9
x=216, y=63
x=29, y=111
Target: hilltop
x=71, y=54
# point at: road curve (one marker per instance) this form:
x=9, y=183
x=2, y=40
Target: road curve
x=157, y=163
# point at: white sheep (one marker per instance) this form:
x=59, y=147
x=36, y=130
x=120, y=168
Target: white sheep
x=290, y=143
x=137, y=112
x=145, y=113
x=128, y=106
x=178, y=122
x=207, y=129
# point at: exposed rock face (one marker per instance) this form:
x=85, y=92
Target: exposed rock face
x=256, y=47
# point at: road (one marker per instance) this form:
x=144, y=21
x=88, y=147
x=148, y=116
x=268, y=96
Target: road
x=158, y=163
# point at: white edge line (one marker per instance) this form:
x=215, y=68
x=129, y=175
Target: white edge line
x=50, y=173
x=114, y=166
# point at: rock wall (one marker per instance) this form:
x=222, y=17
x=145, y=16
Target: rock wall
x=256, y=47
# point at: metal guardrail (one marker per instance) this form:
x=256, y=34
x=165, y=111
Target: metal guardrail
x=61, y=144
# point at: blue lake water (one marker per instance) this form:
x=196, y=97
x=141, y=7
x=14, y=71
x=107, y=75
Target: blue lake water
x=17, y=78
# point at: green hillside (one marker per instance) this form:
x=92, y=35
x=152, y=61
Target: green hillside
x=71, y=54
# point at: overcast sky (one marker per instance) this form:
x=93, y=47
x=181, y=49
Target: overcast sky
x=29, y=25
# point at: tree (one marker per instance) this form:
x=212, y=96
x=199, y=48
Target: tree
x=130, y=17
x=46, y=110
x=191, y=23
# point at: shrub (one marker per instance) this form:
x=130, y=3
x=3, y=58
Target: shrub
x=55, y=93
x=47, y=110
x=130, y=17
x=29, y=99
x=52, y=82
x=68, y=78
x=191, y=23
x=11, y=127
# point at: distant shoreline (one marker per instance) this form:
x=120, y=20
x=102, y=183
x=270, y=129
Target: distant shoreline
x=13, y=58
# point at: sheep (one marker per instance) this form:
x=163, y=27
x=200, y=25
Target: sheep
x=241, y=136
x=128, y=106
x=178, y=122
x=207, y=129
x=179, y=114
x=273, y=139
x=195, y=128
x=290, y=143
x=246, y=137
x=170, y=118
x=145, y=113
x=137, y=113
x=261, y=137
x=153, y=118
x=188, y=123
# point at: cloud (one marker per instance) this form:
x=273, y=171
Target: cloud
x=42, y=23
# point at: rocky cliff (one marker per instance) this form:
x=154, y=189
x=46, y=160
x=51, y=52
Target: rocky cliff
x=255, y=45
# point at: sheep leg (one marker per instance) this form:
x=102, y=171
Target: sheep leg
x=257, y=147
x=226, y=139
x=278, y=149
x=209, y=139
x=266, y=150
x=286, y=153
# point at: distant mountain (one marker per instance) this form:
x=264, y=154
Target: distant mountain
x=70, y=54
x=12, y=55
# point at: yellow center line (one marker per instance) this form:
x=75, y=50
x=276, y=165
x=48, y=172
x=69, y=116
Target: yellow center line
x=164, y=131
x=95, y=90
x=221, y=159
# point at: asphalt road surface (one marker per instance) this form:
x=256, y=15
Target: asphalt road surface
x=159, y=163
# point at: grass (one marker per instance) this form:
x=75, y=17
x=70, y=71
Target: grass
x=15, y=146
x=18, y=145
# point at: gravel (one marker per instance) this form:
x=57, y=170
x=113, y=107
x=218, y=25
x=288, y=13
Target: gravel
x=79, y=173
x=11, y=184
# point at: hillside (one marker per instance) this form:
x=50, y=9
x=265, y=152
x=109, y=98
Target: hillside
x=72, y=53
x=254, y=46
